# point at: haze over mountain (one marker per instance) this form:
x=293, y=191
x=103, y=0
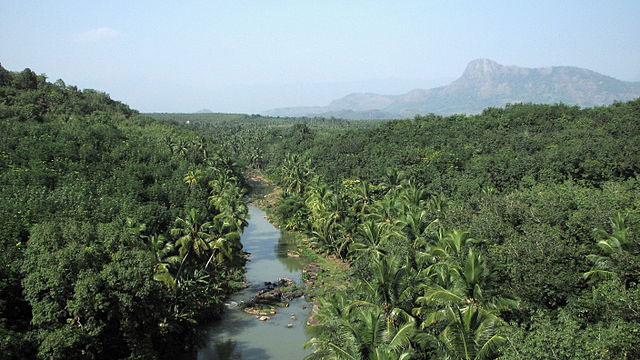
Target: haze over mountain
x=484, y=83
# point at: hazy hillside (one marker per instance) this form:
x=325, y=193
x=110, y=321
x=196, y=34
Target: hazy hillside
x=484, y=83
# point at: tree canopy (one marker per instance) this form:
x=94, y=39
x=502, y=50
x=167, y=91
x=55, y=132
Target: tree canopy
x=108, y=249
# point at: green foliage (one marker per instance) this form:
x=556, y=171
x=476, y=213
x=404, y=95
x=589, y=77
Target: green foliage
x=603, y=324
x=527, y=183
x=469, y=237
x=89, y=194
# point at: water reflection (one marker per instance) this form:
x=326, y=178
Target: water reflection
x=225, y=350
x=285, y=245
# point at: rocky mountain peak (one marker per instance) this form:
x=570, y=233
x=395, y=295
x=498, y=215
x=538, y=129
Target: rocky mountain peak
x=482, y=68
x=486, y=83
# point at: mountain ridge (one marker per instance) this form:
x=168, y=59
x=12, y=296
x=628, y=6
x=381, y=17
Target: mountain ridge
x=483, y=83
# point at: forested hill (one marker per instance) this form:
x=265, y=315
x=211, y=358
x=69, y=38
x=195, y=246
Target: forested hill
x=513, y=234
x=119, y=234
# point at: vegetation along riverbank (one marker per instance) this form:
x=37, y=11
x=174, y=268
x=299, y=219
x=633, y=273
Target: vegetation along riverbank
x=323, y=273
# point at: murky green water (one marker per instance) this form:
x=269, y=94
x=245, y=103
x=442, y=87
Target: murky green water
x=241, y=336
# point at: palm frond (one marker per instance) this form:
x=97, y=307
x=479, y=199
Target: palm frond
x=490, y=347
x=342, y=354
x=401, y=337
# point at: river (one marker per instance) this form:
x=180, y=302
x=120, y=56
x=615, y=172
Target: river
x=241, y=336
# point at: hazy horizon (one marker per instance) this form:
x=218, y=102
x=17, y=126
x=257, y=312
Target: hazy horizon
x=247, y=56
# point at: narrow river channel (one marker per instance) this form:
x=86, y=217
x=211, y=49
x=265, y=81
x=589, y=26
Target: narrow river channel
x=241, y=336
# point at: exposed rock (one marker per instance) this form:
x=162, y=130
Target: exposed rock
x=276, y=294
x=268, y=297
x=312, y=317
x=310, y=274
x=259, y=310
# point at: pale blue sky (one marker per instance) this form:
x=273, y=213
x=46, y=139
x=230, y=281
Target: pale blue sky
x=247, y=56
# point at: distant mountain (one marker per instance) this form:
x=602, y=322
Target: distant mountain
x=204, y=111
x=484, y=83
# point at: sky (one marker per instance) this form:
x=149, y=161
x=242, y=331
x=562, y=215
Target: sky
x=249, y=56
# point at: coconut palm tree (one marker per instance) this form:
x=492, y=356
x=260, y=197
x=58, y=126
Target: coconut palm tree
x=193, y=236
x=371, y=239
x=388, y=285
x=451, y=243
x=225, y=238
x=415, y=225
x=192, y=177
x=223, y=177
x=322, y=232
x=232, y=208
x=468, y=334
x=456, y=306
x=180, y=147
x=448, y=283
x=364, y=197
x=414, y=196
x=437, y=205
x=355, y=331
x=393, y=177
x=388, y=208
x=610, y=244
x=223, y=244
x=318, y=198
x=164, y=251
x=295, y=172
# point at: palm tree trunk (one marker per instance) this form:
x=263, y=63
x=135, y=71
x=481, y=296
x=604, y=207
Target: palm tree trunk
x=208, y=261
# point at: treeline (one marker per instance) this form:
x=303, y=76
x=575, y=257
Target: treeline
x=255, y=121
x=258, y=141
x=457, y=155
x=119, y=234
x=510, y=234
x=500, y=148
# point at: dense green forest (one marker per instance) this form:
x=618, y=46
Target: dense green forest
x=119, y=234
x=260, y=142
x=255, y=121
x=511, y=234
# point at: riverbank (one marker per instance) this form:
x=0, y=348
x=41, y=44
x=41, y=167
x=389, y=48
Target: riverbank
x=281, y=334
x=323, y=273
